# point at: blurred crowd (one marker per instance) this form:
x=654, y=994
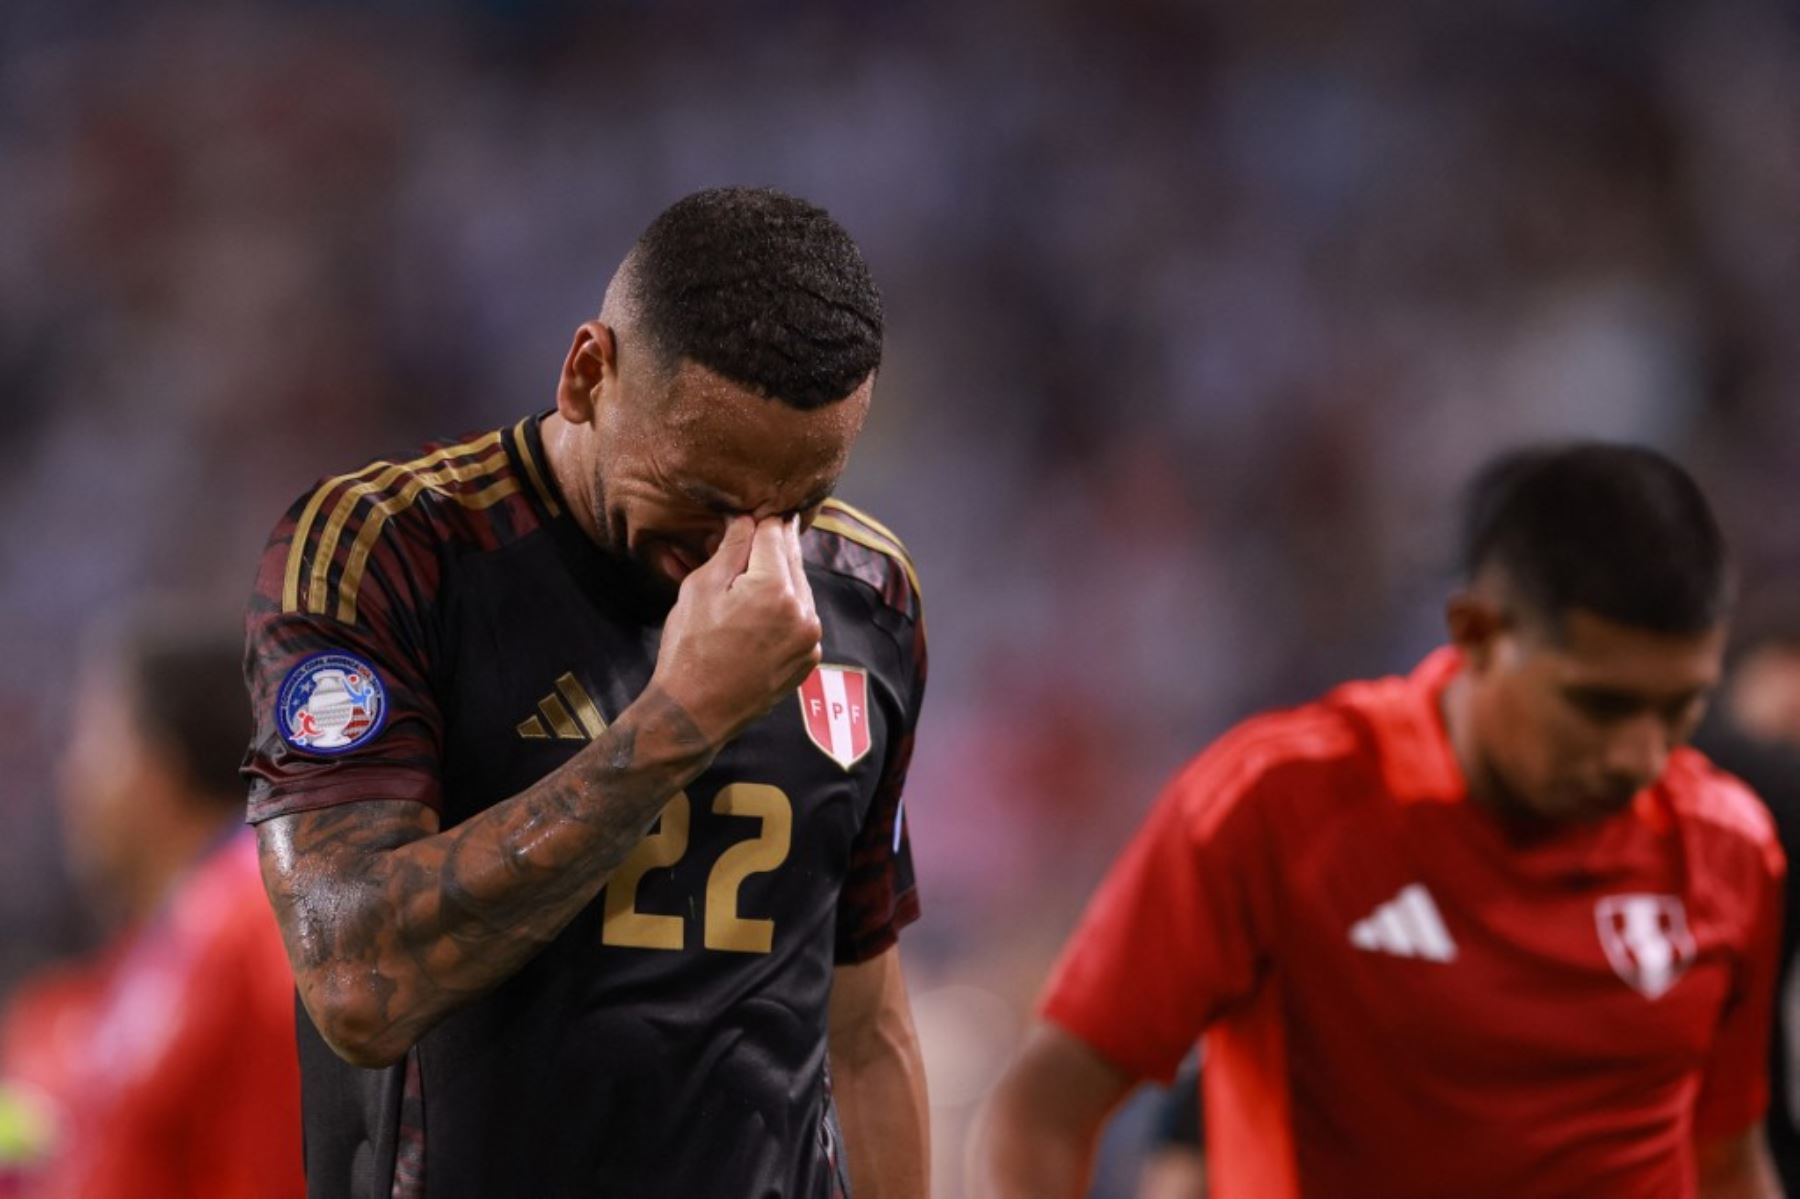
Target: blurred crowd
x=1198, y=315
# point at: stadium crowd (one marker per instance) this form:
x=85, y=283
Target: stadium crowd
x=1198, y=315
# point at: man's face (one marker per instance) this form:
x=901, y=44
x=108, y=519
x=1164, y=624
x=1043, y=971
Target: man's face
x=110, y=785
x=676, y=454
x=1570, y=723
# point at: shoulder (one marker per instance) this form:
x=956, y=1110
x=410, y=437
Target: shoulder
x=1721, y=807
x=1286, y=756
x=471, y=493
x=847, y=541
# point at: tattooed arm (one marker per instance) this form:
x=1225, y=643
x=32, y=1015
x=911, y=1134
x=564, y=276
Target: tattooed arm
x=391, y=924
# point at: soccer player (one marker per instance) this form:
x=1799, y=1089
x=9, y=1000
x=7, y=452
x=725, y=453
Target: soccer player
x=1753, y=731
x=1485, y=930
x=165, y=1065
x=580, y=754
x=1174, y=1163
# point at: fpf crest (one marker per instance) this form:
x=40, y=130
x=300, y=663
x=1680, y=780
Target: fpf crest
x=1646, y=939
x=834, y=706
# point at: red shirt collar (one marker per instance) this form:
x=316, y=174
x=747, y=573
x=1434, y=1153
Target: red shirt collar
x=1407, y=722
x=1418, y=764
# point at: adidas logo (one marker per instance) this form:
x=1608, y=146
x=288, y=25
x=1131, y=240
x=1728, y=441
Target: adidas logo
x=1408, y=926
x=567, y=714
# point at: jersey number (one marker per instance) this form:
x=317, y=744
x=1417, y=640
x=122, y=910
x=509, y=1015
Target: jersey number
x=725, y=929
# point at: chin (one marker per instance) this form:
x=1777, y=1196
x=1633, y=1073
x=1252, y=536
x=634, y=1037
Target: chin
x=1566, y=805
x=1526, y=806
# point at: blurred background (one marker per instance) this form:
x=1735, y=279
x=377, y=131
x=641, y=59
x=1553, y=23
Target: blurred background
x=1198, y=316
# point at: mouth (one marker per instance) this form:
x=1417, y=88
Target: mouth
x=1603, y=802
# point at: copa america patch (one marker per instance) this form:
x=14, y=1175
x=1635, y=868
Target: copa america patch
x=330, y=704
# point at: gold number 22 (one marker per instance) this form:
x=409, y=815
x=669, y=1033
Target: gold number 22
x=725, y=929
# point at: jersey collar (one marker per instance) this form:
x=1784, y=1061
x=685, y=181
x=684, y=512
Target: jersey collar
x=1419, y=766
x=525, y=444
x=1406, y=720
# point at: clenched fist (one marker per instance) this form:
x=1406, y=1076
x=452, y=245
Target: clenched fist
x=744, y=632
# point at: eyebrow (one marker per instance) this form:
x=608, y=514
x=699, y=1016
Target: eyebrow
x=1634, y=699
x=709, y=496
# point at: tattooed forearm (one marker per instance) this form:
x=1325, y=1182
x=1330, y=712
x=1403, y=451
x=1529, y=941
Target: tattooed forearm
x=391, y=925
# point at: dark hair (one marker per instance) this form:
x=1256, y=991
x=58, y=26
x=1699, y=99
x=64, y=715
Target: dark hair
x=186, y=684
x=1616, y=530
x=762, y=288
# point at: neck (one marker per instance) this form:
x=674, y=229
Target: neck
x=562, y=450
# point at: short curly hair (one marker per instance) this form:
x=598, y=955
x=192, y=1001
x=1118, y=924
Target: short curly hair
x=762, y=288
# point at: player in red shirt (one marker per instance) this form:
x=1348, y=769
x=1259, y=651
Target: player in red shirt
x=166, y=1066
x=1486, y=930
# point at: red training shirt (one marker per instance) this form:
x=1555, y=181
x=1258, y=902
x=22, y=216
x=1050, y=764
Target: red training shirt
x=1400, y=1001
x=171, y=1064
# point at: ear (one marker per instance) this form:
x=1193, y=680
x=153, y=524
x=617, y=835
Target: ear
x=1475, y=623
x=592, y=366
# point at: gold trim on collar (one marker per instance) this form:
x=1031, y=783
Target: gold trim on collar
x=531, y=467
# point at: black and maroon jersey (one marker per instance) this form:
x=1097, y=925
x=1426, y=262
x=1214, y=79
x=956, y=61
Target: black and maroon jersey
x=441, y=631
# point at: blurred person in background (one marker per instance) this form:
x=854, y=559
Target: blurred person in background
x=1328, y=264
x=1754, y=732
x=164, y=1067
x=1174, y=1165
x=1488, y=929
x=630, y=643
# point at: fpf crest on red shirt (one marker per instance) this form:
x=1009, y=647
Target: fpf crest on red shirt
x=1646, y=939
x=834, y=705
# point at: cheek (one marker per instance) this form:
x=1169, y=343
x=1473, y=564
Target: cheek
x=1524, y=737
x=99, y=770
x=631, y=512
x=649, y=519
x=643, y=512
x=1557, y=742
x=107, y=787
x=97, y=811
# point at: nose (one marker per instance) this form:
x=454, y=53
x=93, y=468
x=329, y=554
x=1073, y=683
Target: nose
x=1638, y=751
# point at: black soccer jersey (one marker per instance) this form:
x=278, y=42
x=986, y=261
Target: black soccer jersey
x=440, y=630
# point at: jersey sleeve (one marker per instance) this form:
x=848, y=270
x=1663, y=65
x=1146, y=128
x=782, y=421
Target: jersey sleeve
x=1734, y=1089
x=1177, y=930
x=312, y=654
x=880, y=895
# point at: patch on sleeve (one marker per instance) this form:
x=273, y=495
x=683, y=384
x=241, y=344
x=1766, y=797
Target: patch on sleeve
x=330, y=704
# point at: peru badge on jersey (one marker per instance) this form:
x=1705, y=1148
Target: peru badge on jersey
x=1646, y=939
x=834, y=705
